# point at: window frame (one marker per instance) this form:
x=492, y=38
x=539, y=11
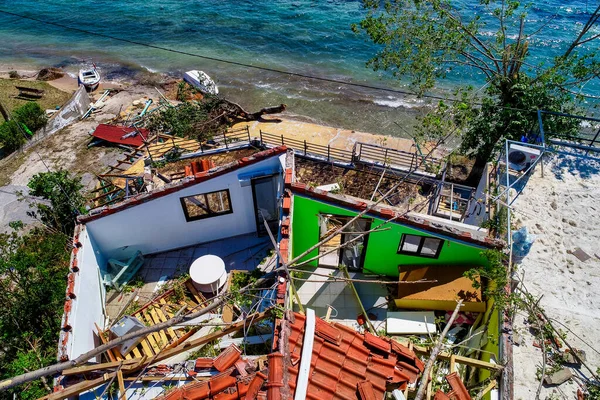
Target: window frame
x=418, y=253
x=211, y=214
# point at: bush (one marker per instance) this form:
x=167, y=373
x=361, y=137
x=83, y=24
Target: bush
x=11, y=137
x=32, y=115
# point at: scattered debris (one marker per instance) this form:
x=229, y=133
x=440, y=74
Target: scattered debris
x=558, y=377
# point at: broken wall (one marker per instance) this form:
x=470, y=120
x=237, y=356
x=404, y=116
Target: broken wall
x=381, y=256
x=84, y=307
x=159, y=224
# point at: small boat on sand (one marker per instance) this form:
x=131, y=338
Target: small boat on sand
x=201, y=81
x=89, y=77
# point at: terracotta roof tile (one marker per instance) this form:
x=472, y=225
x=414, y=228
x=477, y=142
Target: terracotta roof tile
x=341, y=359
x=227, y=358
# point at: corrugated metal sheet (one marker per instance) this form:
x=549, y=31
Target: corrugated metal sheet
x=114, y=134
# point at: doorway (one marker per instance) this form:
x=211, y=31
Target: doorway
x=334, y=253
x=264, y=195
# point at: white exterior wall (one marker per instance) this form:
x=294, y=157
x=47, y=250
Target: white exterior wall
x=160, y=224
x=88, y=305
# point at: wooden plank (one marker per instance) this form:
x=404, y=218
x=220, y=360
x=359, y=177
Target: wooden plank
x=452, y=363
x=96, y=367
x=197, y=296
x=155, y=335
x=136, y=352
x=163, y=336
x=147, y=349
x=79, y=387
x=162, y=316
x=111, y=356
x=471, y=362
x=121, y=384
x=191, y=344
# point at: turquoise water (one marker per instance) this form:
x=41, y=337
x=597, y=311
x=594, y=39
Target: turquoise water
x=304, y=36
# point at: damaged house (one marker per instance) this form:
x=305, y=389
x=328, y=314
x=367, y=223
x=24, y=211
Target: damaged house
x=290, y=275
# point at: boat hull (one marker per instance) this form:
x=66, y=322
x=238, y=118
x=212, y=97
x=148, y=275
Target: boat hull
x=201, y=81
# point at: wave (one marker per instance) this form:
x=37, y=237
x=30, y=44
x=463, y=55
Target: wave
x=394, y=102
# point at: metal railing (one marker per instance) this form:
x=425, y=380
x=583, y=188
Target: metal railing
x=306, y=148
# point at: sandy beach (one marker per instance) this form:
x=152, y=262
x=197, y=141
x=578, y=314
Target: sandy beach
x=562, y=209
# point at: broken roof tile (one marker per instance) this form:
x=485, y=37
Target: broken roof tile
x=377, y=342
x=366, y=391
x=337, y=366
x=459, y=391
x=204, y=362
x=227, y=358
x=255, y=386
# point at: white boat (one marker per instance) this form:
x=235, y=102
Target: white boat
x=201, y=81
x=89, y=77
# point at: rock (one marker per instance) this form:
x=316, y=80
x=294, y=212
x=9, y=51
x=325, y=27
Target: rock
x=570, y=358
x=558, y=377
x=50, y=74
x=554, y=205
x=580, y=254
x=136, y=103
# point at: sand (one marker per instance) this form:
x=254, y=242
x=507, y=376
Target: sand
x=563, y=209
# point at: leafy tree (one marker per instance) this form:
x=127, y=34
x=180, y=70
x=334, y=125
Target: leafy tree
x=424, y=40
x=186, y=119
x=33, y=270
x=65, y=200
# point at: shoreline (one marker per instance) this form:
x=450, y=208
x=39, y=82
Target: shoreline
x=316, y=102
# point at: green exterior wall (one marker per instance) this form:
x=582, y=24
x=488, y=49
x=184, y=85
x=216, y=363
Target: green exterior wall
x=381, y=256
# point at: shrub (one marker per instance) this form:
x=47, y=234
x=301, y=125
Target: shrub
x=32, y=115
x=11, y=137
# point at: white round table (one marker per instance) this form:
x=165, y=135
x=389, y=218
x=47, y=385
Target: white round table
x=208, y=273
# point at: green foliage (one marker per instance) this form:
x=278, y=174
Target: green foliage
x=185, y=119
x=423, y=41
x=494, y=278
x=11, y=137
x=32, y=115
x=33, y=270
x=65, y=199
x=240, y=280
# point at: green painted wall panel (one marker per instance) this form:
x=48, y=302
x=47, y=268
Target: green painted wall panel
x=381, y=256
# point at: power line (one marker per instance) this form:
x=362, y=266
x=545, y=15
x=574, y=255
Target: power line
x=237, y=63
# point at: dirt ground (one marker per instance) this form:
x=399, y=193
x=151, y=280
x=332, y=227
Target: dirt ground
x=361, y=183
x=67, y=149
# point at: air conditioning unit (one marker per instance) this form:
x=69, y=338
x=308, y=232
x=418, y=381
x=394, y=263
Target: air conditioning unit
x=521, y=157
x=126, y=325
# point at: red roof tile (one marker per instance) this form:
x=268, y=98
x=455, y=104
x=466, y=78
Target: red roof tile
x=341, y=359
x=227, y=358
x=114, y=134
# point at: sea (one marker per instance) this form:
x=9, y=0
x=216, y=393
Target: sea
x=306, y=37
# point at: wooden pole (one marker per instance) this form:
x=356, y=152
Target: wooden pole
x=434, y=353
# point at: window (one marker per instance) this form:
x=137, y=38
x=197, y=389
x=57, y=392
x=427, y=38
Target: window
x=421, y=246
x=206, y=205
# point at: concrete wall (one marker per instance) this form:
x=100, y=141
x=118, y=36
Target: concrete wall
x=159, y=224
x=87, y=306
x=381, y=256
